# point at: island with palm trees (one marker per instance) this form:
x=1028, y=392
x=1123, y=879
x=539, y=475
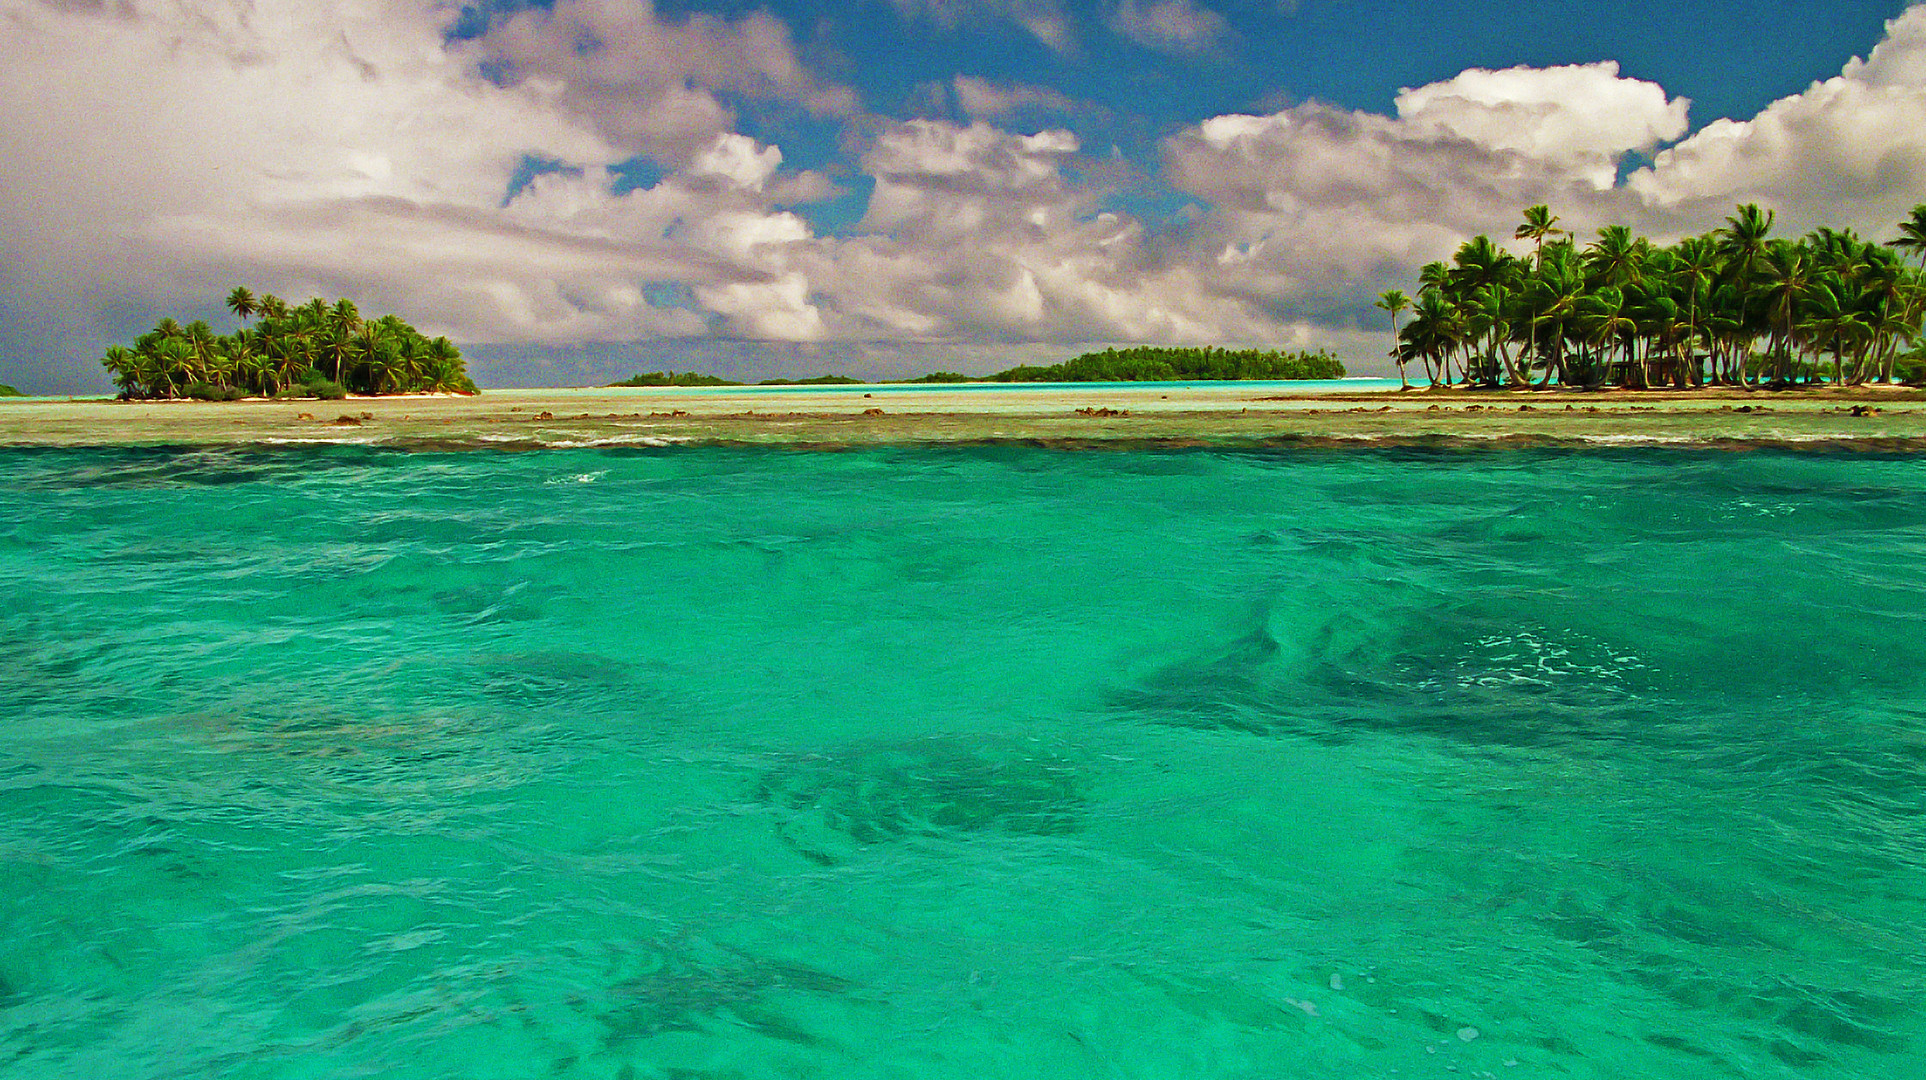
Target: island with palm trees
x=1139, y=364
x=1734, y=307
x=316, y=349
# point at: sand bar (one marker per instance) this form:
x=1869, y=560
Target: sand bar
x=1228, y=413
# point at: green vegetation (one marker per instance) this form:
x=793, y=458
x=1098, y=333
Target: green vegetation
x=1180, y=365
x=692, y=378
x=674, y=378
x=1732, y=307
x=314, y=350
x=8, y=391
x=1111, y=365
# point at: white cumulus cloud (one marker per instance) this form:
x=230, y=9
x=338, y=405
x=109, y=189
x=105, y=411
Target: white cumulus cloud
x=154, y=152
x=1849, y=151
x=1584, y=114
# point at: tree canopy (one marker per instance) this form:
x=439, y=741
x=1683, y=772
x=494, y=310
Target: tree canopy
x=1145, y=364
x=314, y=349
x=1180, y=365
x=1735, y=306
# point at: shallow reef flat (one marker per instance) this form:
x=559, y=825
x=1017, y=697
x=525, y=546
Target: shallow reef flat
x=1871, y=418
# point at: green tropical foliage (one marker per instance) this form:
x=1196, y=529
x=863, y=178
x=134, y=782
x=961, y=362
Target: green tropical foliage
x=1180, y=365
x=8, y=391
x=1111, y=365
x=316, y=349
x=1733, y=307
x=674, y=378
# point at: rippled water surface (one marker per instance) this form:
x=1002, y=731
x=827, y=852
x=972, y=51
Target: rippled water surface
x=984, y=762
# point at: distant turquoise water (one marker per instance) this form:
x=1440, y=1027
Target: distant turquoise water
x=1302, y=386
x=980, y=762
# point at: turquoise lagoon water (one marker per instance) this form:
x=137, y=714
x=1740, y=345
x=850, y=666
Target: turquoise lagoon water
x=979, y=762
x=1352, y=384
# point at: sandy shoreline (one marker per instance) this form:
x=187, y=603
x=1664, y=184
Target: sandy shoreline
x=1228, y=413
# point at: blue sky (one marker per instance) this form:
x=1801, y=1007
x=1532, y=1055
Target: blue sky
x=578, y=189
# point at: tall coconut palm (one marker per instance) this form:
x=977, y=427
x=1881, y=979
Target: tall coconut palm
x=174, y=358
x=120, y=363
x=1743, y=240
x=1615, y=257
x=1394, y=302
x=1555, y=292
x=242, y=303
x=1540, y=224
x=1608, y=326
x=1912, y=233
x=1430, y=335
x=1785, y=282
x=1694, y=261
x=1828, y=323
x=338, y=326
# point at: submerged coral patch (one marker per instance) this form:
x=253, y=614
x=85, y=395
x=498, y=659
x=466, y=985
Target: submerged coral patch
x=829, y=804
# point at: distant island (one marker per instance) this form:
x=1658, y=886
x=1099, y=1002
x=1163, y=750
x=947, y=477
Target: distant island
x=8, y=391
x=1110, y=365
x=316, y=349
x=690, y=378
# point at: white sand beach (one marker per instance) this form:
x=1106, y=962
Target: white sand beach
x=904, y=414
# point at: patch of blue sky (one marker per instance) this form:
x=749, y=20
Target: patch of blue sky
x=530, y=167
x=637, y=172
x=1730, y=57
x=839, y=215
x=670, y=294
x=1153, y=204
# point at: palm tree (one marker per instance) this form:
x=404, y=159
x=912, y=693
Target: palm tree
x=339, y=325
x=1555, y=292
x=1693, y=262
x=1434, y=332
x=1540, y=224
x=1615, y=257
x=1786, y=279
x=175, y=359
x=376, y=355
x=121, y=363
x=1829, y=323
x=1912, y=233
x=285, y=347
x=1742, y=243
x=1608, y=327
x=1394, y=301
x=242, y=303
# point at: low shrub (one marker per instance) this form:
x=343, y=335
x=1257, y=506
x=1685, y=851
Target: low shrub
x=321, y=386
x=201, y=391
